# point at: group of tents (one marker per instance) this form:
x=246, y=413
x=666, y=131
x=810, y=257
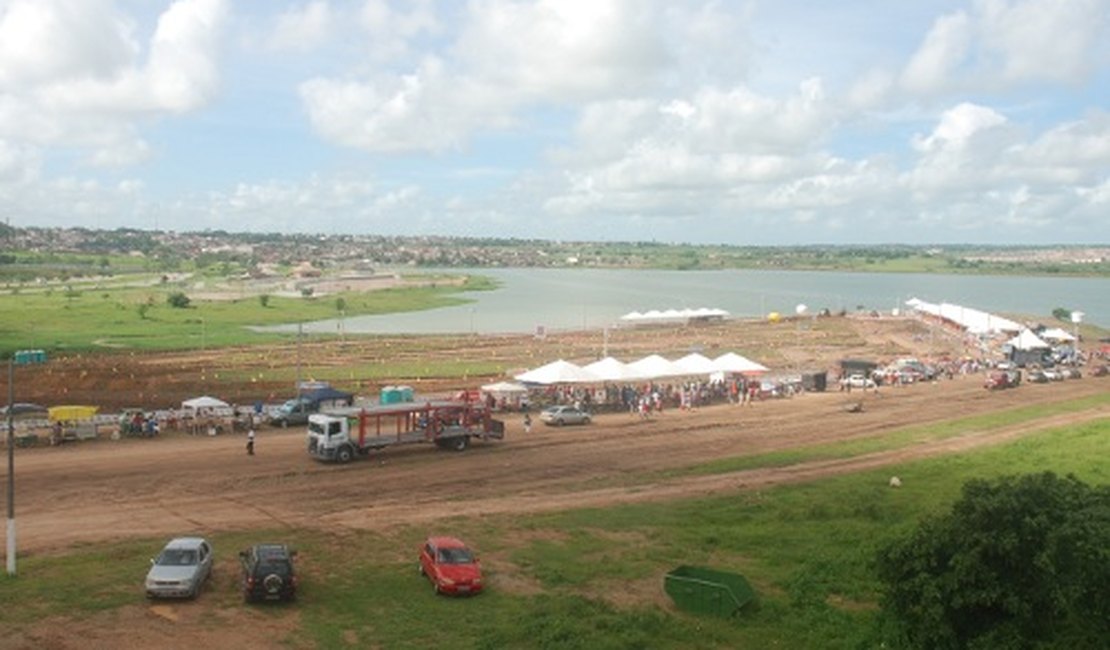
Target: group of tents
x=652, y=367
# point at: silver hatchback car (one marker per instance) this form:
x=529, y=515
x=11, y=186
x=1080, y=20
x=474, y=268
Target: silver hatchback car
x=180, y=569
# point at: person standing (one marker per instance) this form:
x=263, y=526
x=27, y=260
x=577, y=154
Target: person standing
x=250, y=442
x=527, y=423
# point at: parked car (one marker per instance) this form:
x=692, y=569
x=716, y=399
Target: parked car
x=1100, y=371
x=180, y=569
x=1036, y=376
x=268, y=572
x=560, y=415
x=858, y=381
x=450, y=566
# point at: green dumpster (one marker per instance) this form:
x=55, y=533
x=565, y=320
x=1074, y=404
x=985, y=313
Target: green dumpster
x=708, y=591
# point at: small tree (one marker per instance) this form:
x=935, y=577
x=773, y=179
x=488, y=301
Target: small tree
x=143, y=309
x=264, y=300
x=1022, y=562
x=340, y=304
x=177, y=300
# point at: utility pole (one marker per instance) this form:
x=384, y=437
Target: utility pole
x=300, y=331
x=22, y=357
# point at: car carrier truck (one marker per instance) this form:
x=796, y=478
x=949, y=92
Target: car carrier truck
x=343, y=434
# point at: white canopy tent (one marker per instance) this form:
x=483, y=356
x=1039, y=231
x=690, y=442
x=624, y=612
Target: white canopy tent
x=1057, y=334
x=504, y=388
x=696, y=364
x=973, y=320
x=735, y=363
x=655, y=315
x=655, y=367
x=610, y=369
x=204, y=402
x=1027, y=340
x=557, y=372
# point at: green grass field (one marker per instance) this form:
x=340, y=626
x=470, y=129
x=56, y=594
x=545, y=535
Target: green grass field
x=111, y=317
x=593, y=578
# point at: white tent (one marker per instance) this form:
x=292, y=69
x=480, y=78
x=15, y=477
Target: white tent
x=504, y=387
x=1027, y=340
x=696, y=364
x=1056, y=334
x=973, y=320
x=557, y=372
x=732, y=362
x=610, y=369
x=204, y=402
x=655, y=315
x=654, y=367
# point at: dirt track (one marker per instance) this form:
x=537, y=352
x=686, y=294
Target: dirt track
x=142, y=488
x=104, y=491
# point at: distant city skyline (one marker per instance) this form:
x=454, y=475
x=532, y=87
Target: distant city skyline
x=748, y=122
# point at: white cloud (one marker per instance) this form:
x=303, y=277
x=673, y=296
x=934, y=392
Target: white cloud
x=493, y=70
x=46, y=41
x=392, y=32
x=1007, y=43
x=1049, y=40
x=71, y=73
x=302, y=28
x=944, y=50
x=958, y=125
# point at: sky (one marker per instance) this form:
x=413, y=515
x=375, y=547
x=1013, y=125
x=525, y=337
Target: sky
x=759, y=122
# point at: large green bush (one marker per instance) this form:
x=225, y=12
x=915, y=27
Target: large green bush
x=1020, y=562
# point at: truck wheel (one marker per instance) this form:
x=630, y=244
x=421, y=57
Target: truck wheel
x=344, y=454
x=285, y=424
x=460, y=443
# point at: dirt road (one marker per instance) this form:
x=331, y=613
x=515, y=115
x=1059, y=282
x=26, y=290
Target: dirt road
x=141, y=488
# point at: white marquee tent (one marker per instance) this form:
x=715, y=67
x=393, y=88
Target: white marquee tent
x=732, y=362
x=973, y=320
x=204, y=402
x=1057, y=334
x=1027, y=340
x=610, y=369
x=504, y=388
x=655, y=367
x=696, y=364
x=655, y=315
x=557, y=372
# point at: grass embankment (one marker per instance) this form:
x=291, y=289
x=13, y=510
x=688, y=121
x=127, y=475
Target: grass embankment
x=593, y=578
x=140, y=318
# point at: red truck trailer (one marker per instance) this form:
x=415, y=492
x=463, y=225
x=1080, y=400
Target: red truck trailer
x=344, y=434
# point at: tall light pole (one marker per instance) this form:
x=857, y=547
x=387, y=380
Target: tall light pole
x=11, y=466
x=21, y=357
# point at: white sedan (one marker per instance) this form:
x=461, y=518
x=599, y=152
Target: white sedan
x=858, y=381
x=560, y=415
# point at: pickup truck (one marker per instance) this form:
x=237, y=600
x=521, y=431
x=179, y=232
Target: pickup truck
x=294, y=412
x=268, y=572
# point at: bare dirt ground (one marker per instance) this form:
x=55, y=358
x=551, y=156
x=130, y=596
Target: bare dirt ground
x=104, y=491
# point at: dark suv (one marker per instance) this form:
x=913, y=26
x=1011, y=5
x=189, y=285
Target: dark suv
x=268, y=572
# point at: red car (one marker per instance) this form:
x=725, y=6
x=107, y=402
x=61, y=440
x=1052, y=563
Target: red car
x=451, y=566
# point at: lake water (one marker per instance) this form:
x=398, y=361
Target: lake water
x=561, y=299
